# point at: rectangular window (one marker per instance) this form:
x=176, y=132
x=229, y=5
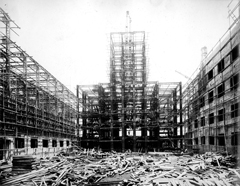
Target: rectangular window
x=221, y=115
x=54, y=143
x=203, y=121
x=210, y=97
x=211, y=140
x=203, y=140
x=19, y=143
x=67, y=143
x=202, y=101
x=34, y=143
x=234, y=53
x=211, y=118
x=196, y=141
x=221, y=140
x=221, y=66
x=234, y=138
x=234, y=80
x=221, y=90
x=196, y=123
x=61, y=143
x=210, y=75
x=234, y=110
x=45, y=143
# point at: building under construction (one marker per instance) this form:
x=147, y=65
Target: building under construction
x=133, y=113
x=211, y=100
x=129, y=112
x=37, y=112
x=40, y=116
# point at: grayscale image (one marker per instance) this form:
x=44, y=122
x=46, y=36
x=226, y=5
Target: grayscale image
x=119, y=92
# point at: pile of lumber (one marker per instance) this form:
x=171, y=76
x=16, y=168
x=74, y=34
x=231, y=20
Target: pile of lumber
x=90, y=167
x=183, y=171
x=23, y=164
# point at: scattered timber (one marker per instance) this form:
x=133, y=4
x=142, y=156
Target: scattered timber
x=91, y=167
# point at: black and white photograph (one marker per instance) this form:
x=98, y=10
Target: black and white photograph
x=119, y=92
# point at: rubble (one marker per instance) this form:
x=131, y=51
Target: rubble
x=218, y=159
x=90, y=167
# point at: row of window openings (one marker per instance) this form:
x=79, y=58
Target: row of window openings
x=129, y=132
x=221, y=65
x=221, y=115
x=221, y=140
x=234, y=81
x=19, y=143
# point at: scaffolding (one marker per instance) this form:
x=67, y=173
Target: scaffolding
x=130, y=113
x=33, y=103
x=211, y=99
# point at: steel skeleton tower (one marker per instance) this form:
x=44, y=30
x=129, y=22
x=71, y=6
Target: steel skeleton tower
x=129, y=112
x=128, y=79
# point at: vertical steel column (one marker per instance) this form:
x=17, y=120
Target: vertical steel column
x=180, y=114
x=145, y=119
x=78, y=117
x=6, y=21
x=133, y=95
x=111, y=123
x=175, y=117
x=123, y=96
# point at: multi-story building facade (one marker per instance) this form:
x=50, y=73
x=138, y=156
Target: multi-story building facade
x=211, y=100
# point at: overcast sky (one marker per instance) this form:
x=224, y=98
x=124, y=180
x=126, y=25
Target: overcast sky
x=70, y=38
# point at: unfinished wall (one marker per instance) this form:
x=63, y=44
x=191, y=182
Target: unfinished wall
x=211, y=100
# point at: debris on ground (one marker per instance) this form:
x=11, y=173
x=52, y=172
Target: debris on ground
x=91, y=167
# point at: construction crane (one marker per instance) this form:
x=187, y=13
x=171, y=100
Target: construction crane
x=183, y=75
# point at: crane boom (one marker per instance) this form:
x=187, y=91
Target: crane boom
x=183, y=75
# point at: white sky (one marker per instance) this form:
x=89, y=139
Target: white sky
x=70, y=37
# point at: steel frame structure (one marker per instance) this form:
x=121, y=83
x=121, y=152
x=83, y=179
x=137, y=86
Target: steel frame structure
x=32, y=101
x=130, y=112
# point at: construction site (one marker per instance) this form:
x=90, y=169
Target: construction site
x=127, y=131
x=130, y=113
